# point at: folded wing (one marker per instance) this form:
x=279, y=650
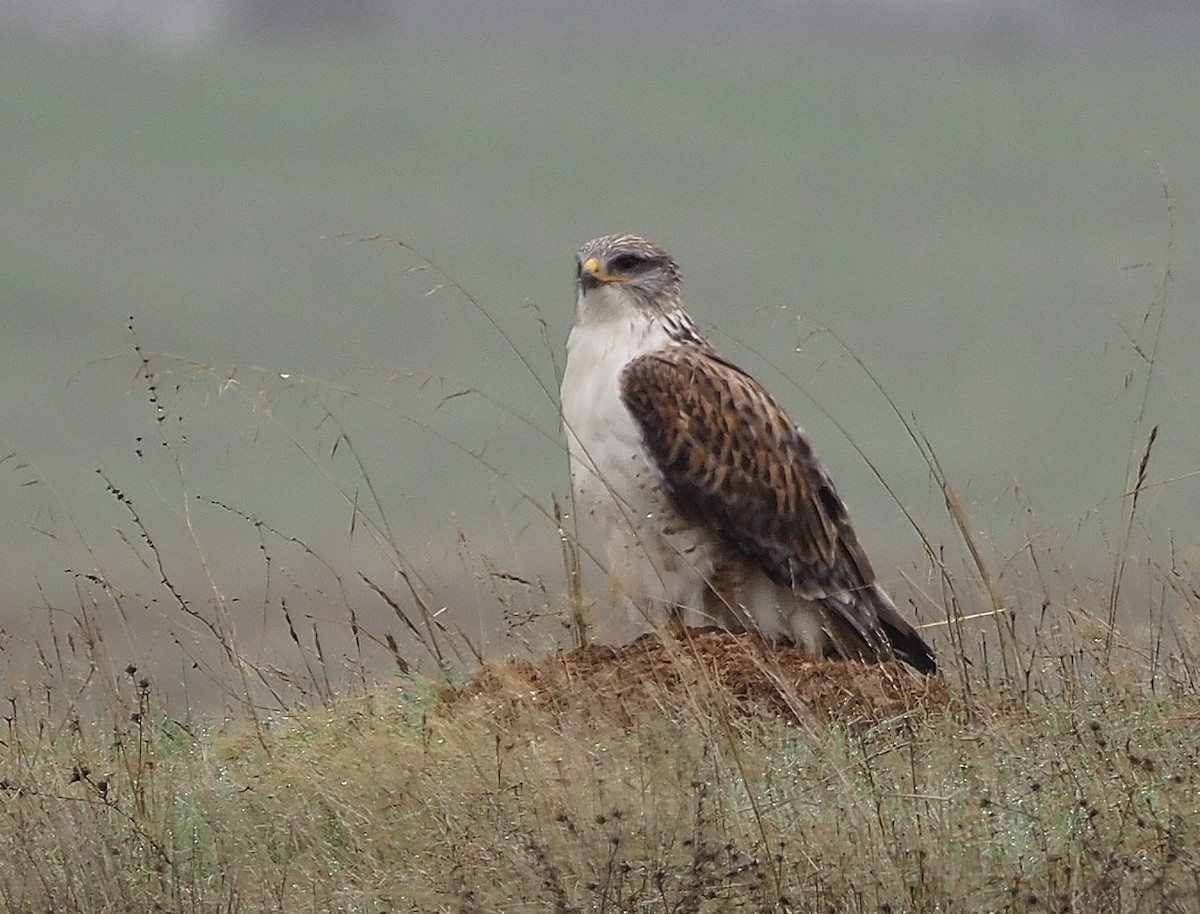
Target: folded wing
x=734, y=461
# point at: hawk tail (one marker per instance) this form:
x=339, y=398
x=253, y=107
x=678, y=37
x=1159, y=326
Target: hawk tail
x=869, y=627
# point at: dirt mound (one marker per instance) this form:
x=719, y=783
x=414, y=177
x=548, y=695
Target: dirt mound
x=693, y=669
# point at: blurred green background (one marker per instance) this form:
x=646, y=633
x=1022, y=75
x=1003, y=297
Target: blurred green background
x=982, y=220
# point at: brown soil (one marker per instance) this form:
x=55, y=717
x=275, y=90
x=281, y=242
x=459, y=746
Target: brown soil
x=691, y=670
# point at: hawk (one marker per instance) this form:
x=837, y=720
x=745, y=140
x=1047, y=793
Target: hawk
x=712, y=506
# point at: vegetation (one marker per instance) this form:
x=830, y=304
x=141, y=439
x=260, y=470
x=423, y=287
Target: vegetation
x=1054, y=765
x=1082, y=794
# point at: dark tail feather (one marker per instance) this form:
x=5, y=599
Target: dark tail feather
x=871, y=628
x=910, y=647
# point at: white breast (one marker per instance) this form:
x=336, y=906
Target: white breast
x=604, y=442
x=656, y=562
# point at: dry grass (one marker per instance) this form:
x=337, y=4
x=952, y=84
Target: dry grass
x=649, y=779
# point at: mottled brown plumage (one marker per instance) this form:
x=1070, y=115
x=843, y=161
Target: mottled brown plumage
x=734, y=459
x=735, y=462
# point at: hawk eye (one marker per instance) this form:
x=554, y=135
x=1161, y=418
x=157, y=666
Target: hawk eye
x=626, y=263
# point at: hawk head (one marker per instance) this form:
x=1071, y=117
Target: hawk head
x=623, y=275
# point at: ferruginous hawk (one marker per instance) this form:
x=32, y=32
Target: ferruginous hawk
x=709, y=499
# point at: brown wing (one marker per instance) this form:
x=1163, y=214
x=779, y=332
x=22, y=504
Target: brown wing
x=733, y=460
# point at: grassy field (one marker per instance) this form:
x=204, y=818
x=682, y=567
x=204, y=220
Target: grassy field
x=1070, y=785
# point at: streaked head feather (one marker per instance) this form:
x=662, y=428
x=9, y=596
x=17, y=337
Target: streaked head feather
x=618, y=273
